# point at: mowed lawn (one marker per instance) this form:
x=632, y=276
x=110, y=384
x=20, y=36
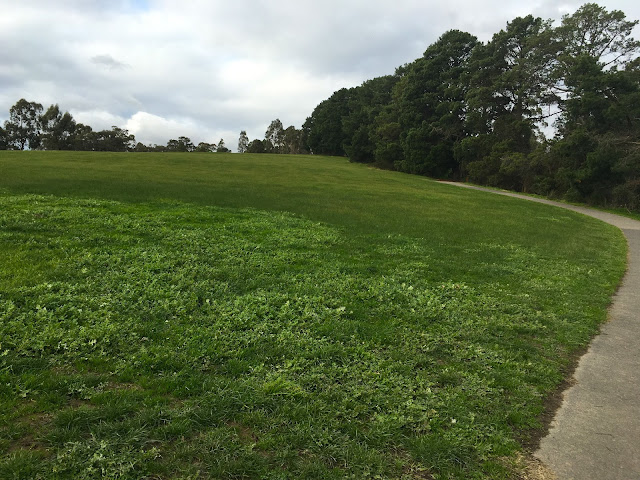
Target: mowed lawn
x=190, y=316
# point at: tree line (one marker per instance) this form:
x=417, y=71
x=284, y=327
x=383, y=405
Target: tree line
x=30, y=127
x=277, y=139
x=474, y=111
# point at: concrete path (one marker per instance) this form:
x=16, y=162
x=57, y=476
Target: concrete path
x=595, y=434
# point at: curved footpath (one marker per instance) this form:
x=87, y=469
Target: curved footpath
x=596, y=431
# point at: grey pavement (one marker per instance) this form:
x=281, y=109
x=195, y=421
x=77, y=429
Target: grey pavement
x=596, y=432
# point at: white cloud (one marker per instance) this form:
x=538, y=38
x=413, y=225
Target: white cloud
x=97, y=119
x=152, y=129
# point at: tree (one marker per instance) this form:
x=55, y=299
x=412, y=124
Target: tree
x=431, y=105
x=324, y=129
x=182, y=144
x=23, y=129
x=84, y=138
x=292, y=141
x=142, y=148
x=187, y=143
x=598, y=87
x=274, y=137
x=158, y=148
x=243, y=142
x=57, y=129
x=513, y=77
x=115, y=140
x=221, y=147
x=510, y=85
x=204, y=147
x=593, y=32
x=365, y=104
x=256, y=146
x=3, y=139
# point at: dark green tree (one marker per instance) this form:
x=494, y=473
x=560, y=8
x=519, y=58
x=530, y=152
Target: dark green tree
x=84, y=138
x=594, y=32
x=204, y=147
x=598, y=87
x=256, y=146
x=3, y=139
x=222, y=147
x=431, y=106
x=510, y=86
x=57, y=129
x=366, y=102
x=182, y=144
x=115, y=140
x=324, y=130
x=141, y=148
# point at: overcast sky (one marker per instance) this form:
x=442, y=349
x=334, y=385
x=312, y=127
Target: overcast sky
x=207, y=69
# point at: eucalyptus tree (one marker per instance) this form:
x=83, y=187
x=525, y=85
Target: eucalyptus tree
x=57, y=129
x=204, y=147
x=243, y=142
x=182, y=144
x=114, y=140
x=274, y=137
x=24, y=127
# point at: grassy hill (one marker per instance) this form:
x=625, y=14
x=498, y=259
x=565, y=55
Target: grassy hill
x=239, y=316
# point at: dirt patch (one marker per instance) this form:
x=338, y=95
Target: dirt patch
x=245, y=434
x=536, y=470
x=28, y=442
x=31, y=439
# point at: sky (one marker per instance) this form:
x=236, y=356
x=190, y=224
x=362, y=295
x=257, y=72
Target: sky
x=207, y=69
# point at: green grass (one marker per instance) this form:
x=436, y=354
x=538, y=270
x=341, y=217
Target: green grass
x=264, y=317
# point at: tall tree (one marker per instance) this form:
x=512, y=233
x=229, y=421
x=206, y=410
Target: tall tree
x=323, y=129
x=431, y=106
x=222, y=148
x=594, y=32
x=599, y=93
x=274, y=136
x=23, y=129
x=57, y=129
x=513, y=77
x=3, y=139
x=366, y=102
x=510, y=85
x=292, y=141
x=243, y=142
x=84, y=138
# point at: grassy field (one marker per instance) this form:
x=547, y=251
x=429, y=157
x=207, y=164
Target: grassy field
x=168, y=316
